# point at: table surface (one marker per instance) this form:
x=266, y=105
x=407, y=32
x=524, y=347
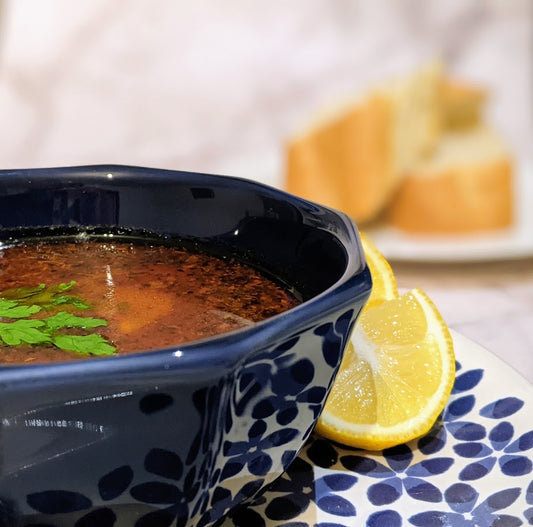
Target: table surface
x=490, y=303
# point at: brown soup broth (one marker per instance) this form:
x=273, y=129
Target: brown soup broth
x=152, y=296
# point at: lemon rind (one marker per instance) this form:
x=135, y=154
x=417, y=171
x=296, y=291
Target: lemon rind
x=378, y=437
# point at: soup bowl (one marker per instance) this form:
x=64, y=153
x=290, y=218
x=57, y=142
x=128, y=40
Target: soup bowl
x=181, y=435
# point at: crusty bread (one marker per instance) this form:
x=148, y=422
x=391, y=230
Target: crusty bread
x=414, y=152
x=346, y=162
x=352, y=158
x=417, y=106
x=462, y=104
x=465, y=186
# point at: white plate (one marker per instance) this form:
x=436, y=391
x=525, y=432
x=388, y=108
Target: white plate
x=473, y=469
x=515, y=242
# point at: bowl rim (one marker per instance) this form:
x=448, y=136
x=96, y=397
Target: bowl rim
x=200, y=357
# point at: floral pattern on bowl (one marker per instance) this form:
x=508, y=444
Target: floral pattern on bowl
x=179, y=435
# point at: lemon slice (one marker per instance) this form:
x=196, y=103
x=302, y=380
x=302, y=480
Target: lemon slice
x=384, y=286
x=396, y=375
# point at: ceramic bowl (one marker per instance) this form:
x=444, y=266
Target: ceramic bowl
x=178, y=436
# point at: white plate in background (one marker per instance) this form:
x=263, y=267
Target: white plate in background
x=514, y=242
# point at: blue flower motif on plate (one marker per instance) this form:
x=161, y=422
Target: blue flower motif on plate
x=399, y=474
x=472, y=469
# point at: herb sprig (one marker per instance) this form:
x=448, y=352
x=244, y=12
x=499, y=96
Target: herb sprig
x=44, y=296
x=18, y=305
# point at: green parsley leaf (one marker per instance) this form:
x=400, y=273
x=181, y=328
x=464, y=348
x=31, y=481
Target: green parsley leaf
x=14, y=333
x=11, y=309
x=20, y=293
x=22, y=302
x=75, y=301
x=87, y=344
x=44, y=296
x=67, y=320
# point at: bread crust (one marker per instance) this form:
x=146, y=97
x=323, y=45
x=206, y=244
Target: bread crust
x=461, y=199
x=462, y=104
x=415, y=153
x=346, y=163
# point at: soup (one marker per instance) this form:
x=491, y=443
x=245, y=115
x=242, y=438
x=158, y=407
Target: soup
x=63, y=299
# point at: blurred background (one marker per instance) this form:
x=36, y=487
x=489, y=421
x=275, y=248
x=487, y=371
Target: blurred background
x=219, y=86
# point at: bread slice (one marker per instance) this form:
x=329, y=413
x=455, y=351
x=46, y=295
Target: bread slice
x=353, y=158
x=465, y=186
x=346, y=162
x=417, y=106
x=462, y=104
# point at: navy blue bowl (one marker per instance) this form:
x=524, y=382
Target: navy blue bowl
x=178, y=436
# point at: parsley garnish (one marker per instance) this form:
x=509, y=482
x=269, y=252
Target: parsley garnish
x=44, y=296
x=17, y=327
x=27, y=331
x=86, y=344
x=67, y=320
x=11, y=309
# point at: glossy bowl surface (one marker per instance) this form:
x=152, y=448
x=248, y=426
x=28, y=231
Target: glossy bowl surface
x=178, y=436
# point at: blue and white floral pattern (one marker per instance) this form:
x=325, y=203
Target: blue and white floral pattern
x=249, y=432
x=473, y=469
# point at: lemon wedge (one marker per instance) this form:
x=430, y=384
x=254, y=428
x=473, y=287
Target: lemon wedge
x=398, y=369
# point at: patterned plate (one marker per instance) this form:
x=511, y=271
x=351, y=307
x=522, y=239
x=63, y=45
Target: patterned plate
x=473, y=469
